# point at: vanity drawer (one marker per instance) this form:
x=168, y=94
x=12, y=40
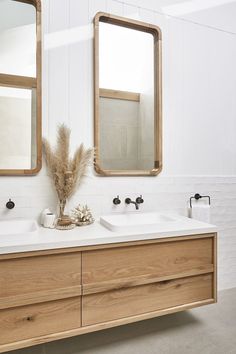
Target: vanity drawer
x=28, y=322
x=117, y=304
x=39, y=278
x=121, y=267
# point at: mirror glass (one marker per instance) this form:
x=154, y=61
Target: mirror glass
x=127, y=113
x=17, y=38
x=17, y=145
x=19, y=88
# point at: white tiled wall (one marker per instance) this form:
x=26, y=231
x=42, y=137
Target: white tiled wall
x=199, y=113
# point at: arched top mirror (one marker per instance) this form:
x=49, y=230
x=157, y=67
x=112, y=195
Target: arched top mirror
x=20, y=87
x=127, y=69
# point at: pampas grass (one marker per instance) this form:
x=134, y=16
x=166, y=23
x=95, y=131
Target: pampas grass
x=66, y=172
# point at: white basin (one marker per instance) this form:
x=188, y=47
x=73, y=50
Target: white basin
x=133, y=221
x=18, y=227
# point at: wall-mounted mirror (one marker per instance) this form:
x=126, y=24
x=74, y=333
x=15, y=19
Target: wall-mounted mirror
x=127, y=58
x=20, y=87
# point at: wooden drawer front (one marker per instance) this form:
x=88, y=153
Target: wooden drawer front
x=32, y=321
x=39, y=279
x=135, y=265
x=112, y=305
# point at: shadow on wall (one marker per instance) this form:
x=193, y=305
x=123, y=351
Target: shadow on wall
x=107, y=340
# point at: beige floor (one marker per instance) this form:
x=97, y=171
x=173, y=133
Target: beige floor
x=206, y=330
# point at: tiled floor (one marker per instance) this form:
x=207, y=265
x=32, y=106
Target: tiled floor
x=205, y=330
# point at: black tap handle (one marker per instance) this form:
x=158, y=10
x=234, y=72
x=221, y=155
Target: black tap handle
x=140, y=200
x=116, y=200
x=10, y=204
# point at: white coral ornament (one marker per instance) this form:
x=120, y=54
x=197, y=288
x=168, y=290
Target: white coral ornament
x=82, y=215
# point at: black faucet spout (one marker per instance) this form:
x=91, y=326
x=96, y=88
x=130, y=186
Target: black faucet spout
x=129, y=201
x=136, y=205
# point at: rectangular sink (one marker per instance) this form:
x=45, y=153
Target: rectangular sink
x=132, y=221
x=18, y=227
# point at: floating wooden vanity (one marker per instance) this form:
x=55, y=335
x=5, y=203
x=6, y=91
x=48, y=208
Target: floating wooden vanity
x=54, y=294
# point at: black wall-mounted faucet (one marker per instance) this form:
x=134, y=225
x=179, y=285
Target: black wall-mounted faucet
x=10, y=204
x=137, y=202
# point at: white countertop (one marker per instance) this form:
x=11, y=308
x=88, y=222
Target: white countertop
x=96, y=234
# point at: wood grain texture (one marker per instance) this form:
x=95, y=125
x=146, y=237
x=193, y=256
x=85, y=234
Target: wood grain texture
x=119, y=299
x=103, y=246
x=18, y=81
x=214, y=283
x=119, y=95
x=150, y=260
x=42, y=277
x=36, y=320
x=112, y=305
x=40, y=296
x=141, y=280
x=100, y=326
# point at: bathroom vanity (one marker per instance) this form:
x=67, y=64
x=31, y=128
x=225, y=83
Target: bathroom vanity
x=58, y=284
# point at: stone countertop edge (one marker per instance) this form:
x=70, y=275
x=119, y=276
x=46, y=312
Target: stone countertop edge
x=96, y=234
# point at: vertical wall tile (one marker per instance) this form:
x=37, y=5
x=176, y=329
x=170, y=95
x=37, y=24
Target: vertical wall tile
x=115, y=8
x=172, y=87
x=56, y=42
x=79, y=69
x=147, y=15
x=94, y=7
x=97, y=6
x=131, y=12
x=45, y=71
x=208, y=101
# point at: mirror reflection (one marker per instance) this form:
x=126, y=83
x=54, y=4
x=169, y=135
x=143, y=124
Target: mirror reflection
x=17, y=38
x=17, y=148
x=126, y=115
x=19, y=88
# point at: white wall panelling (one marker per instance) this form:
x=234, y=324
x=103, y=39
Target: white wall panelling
x=199, y=111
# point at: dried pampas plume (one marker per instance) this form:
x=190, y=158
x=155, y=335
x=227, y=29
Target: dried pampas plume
x=66, y=172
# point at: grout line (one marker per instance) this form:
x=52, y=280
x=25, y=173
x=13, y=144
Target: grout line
x=199, y=24
x=178, y=18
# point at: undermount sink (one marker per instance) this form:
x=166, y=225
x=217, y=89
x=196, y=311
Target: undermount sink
x=132, y=221
x=18, y=227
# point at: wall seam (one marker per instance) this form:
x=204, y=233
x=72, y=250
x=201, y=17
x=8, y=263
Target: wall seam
x=178, y=18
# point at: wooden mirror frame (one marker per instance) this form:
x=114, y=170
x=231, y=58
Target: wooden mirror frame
x=25, y=82
x=156, y=32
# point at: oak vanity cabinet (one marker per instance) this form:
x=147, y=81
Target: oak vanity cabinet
x=40, y=294
x=135, y=280
x=55, y=294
